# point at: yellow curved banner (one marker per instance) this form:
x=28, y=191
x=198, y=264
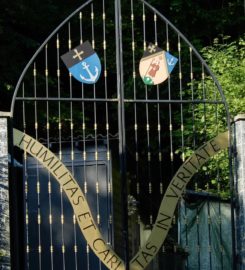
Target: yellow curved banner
x=170, y=200
x=75, y=195
x=84, y=216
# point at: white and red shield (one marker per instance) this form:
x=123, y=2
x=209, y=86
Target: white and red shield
x=154, y=65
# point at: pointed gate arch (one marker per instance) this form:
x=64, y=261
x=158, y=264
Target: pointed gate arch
x=124, y=142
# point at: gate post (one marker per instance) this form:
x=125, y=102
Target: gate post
x=11, y=201
x=239, y=175
x=4, y=194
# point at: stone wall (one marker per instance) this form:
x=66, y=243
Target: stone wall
x=239, y=174
x=4, y=198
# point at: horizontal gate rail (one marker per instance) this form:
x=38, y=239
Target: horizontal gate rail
x=172, y=101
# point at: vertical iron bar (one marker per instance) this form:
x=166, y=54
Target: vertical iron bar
x=37, y=171
x=108, y=177
x=148, y=155
x=16, y=210
x=121, y=128
x=84, y=138
x=204, y=104
x=192, y=98
x=198, y=239
x=60, y=145
x=135, y=119
x=218, y=188
x=186, y=236
x=72, y=148
x=25, y=200
x=158, y=121
x=209, y=235
x=96, y=154
x=170, y=108
x=49, y=176
x=181, y=98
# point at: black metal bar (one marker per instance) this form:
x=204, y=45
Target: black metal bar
x=198, y=239
x=121, y=129
x=48, y=143
x=218, y=186
x=108, y=166
x=16, y=209
x=69, y=99
x=25, y=199
x=186, y=235
x=171, y=101
x=209, y=235
x=170, y=110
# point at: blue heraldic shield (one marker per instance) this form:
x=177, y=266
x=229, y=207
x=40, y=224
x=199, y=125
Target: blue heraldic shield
x=83, y=63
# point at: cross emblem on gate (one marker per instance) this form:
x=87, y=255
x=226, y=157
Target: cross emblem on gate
x=77, y=54
x=151, y=48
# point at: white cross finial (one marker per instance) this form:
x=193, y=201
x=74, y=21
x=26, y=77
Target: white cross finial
x=78, y=54
x=151, y=48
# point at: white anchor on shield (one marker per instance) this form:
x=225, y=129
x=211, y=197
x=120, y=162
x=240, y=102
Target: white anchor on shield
x=83, y=63
x=91, y=77
x=171, y=62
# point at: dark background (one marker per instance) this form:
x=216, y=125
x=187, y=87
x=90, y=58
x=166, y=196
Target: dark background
x=24, y=24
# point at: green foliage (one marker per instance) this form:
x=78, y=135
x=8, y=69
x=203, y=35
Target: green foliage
x=227, y=62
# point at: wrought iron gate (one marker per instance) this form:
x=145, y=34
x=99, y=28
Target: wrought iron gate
x=147, y=133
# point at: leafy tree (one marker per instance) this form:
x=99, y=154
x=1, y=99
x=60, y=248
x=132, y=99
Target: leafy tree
x=226, y=60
